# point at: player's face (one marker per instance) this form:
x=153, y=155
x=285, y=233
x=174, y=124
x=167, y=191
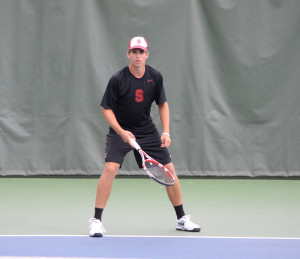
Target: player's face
x=137, y=57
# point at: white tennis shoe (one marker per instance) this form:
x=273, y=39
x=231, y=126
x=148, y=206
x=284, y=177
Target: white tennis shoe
x=186, y=224
x=96, y=228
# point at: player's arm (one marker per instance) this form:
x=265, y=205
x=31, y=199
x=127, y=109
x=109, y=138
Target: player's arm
x=164, y=114
x=112, y=121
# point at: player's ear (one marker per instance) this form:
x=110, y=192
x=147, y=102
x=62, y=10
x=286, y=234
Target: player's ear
x=147, y=54
x=128, y=53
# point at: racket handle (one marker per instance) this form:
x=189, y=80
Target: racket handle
x=136, y=145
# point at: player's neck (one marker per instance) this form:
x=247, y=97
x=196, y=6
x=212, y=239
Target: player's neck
x=137, y=72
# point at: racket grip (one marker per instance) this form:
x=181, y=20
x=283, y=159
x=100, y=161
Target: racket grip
x=136, y=145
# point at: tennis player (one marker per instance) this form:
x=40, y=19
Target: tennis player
x=126, y=107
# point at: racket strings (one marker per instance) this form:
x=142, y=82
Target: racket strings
x=159, y=173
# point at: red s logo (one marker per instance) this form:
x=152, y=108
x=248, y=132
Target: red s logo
x=139, y=95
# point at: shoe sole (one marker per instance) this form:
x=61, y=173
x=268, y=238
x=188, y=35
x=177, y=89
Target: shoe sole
x=193, y=230
x=97, y=235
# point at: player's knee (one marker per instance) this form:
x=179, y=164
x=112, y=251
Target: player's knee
x=170, y=167
x=111, y=169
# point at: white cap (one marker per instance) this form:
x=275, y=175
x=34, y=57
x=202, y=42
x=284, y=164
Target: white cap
x=138, y=43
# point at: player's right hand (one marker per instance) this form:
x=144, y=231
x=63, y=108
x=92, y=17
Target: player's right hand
x=126, y=136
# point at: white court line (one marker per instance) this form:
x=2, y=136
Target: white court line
x=144, y=236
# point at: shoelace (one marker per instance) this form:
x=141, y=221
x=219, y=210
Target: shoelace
x=185, y=218
x=93, y=220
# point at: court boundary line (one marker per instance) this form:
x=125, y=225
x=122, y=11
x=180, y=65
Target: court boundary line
x=145, y=236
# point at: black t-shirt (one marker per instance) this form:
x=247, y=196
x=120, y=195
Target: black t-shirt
x=131, y=98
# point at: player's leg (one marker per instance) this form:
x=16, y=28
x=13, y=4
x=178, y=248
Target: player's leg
x=103, y=191
x=105, y=183
x=174, y=191
x=115, y=151
x=150, y=143
x=183, y=221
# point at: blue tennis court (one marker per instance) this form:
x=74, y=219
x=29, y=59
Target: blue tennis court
x=149, y=247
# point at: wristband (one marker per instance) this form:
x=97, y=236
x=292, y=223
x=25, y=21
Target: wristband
x=166, y=133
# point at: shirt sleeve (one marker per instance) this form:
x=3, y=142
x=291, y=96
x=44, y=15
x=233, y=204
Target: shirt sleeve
x=160, y=96
x=110, y=97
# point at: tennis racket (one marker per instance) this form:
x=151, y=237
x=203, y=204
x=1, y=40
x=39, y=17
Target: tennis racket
x=155, y=170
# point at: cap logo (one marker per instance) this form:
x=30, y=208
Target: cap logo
x=139, y=41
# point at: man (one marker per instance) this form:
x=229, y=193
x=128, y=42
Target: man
x=126, y=107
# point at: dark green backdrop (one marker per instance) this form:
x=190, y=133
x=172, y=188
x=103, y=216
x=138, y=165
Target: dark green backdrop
x=231, y=71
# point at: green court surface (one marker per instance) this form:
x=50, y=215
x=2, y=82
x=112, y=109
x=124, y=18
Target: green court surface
x=139, y=206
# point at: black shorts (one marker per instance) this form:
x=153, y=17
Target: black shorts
x=116, y=148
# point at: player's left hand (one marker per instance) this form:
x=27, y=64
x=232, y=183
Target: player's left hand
x=165, y=140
